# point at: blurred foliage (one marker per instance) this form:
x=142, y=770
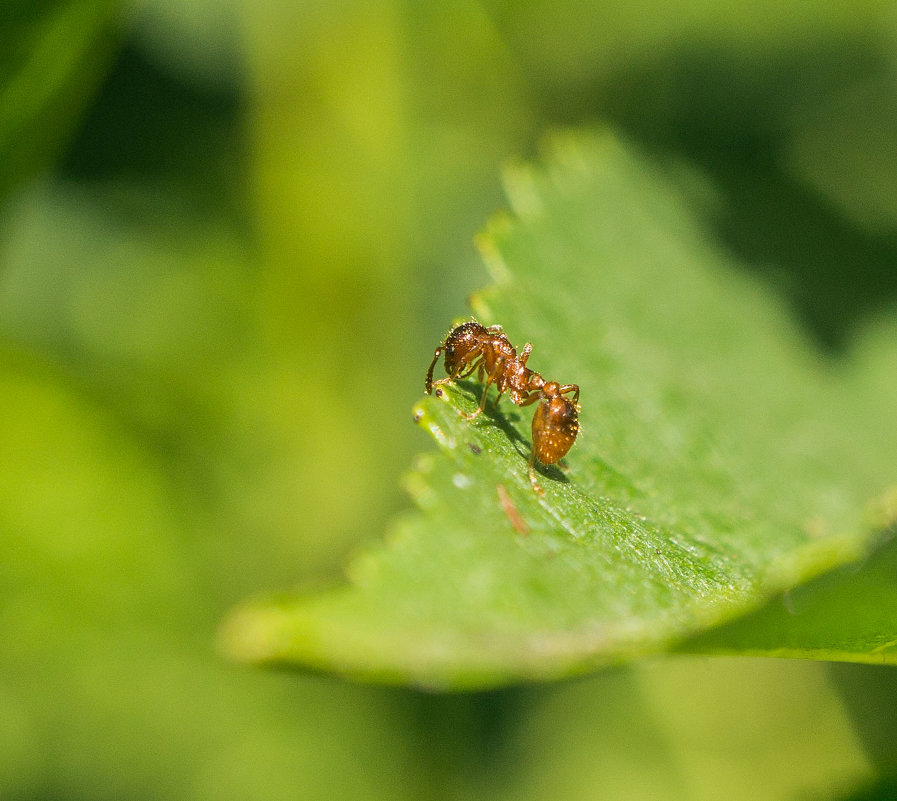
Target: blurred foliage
x=224, y=259
x=53, y=54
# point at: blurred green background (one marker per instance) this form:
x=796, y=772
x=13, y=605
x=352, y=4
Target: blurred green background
x=231, y=234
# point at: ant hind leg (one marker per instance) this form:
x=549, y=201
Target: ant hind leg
x=532, y=472
x=574, y=388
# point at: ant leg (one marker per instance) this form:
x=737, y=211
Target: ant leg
x=488, y=383
x=450, y=378
x=532, y=472
x=532, y=397
x=462, y=370
x=524, y=354
x=479, y=410
x=428, y=384
x=570, y=388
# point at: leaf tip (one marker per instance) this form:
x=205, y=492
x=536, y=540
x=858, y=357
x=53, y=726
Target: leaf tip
x=522, y=191
x=248, y=635
x=417, y=486
x=487, y=244
x=881, y=511
x=425, y=420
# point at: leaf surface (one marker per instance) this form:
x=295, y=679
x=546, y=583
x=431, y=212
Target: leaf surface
x=722, y=458
x=846, y=615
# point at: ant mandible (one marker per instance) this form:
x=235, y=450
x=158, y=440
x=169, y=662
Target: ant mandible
x=472, y=347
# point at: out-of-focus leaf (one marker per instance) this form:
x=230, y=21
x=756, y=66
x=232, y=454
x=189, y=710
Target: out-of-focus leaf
x=124, y=497
x=680, y=729
x=51, y=56
x=721, y=459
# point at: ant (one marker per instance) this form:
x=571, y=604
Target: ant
x=472, y=347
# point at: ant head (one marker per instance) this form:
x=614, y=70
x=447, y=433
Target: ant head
x=461, y=342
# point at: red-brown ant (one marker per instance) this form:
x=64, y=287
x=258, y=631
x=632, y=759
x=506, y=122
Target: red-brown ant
x=472, y=347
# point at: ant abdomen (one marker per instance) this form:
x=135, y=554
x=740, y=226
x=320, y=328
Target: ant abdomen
x=555, y=427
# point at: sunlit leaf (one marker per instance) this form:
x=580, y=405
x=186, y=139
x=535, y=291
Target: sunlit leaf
x=722, y=459
x=846, y=615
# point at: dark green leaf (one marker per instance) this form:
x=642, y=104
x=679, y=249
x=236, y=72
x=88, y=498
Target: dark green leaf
x=51, y=55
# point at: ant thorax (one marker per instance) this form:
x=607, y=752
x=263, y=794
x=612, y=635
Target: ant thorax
x=498, y=355
x=522, y=383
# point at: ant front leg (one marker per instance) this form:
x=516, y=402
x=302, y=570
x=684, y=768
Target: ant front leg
x=524, y=398
x=464, y=368
x=489, y=380
x=428, y=383
x=464, y=371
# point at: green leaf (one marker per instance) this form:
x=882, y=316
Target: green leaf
x=849, y=614
x=722, y=458
x=53, y=53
